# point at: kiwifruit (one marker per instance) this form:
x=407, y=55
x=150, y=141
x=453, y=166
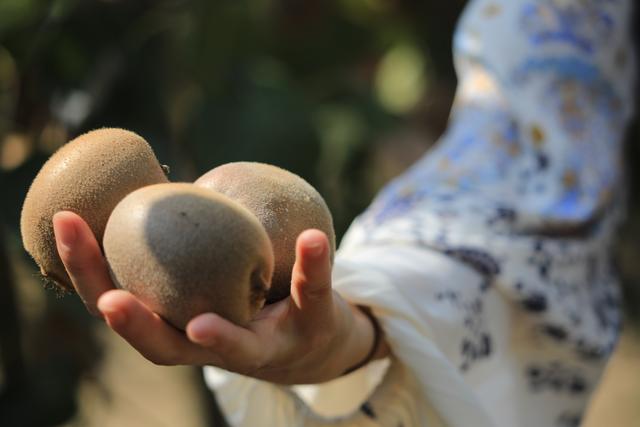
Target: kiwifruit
x=285, y=204
x=88, y=176
x=184, y=250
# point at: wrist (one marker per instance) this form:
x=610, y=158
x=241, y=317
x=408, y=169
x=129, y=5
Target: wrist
x=360, y=341
x=375, y=338
x=349, y=342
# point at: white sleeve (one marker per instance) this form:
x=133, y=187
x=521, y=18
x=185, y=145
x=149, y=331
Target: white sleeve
x=423, y=386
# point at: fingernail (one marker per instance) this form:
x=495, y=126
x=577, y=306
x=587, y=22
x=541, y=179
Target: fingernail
x=200, y=330
x=314, y=248
x=69, y=236
x=197, y=332
x=115, y=319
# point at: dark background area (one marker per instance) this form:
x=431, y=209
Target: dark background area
x=345, y=93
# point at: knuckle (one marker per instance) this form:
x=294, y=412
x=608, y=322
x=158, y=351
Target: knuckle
x=76, y=264
x=317, y=293
x=70, y=260
x=217, y=343
x=66, y=254
x=79, y=263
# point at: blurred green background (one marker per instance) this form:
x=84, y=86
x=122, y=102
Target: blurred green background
x=346, y=93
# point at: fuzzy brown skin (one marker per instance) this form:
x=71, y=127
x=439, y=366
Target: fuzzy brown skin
x=285, y=204
x=88, y=176
x=184, y=250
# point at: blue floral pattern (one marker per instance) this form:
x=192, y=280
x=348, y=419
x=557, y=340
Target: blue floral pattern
x=526, y=185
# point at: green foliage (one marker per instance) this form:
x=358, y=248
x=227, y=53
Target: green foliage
x=207, y=82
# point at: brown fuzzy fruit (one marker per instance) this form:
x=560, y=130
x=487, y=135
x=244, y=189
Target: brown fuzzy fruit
x=184, y=250
x=88, y=176
x=285, y=204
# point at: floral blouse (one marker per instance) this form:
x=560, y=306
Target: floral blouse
x=489, y=262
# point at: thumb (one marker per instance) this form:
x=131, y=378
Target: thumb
x=311, y=277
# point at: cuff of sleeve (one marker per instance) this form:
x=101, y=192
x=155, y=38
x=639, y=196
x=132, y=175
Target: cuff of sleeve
x=344, y=395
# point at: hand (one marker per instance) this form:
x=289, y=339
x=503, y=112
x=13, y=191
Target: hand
x=312, y=336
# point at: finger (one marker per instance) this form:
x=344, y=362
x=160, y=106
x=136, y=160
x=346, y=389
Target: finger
x=239, y=349
x=311, y=277
x=82, y=258
x=148, y=333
